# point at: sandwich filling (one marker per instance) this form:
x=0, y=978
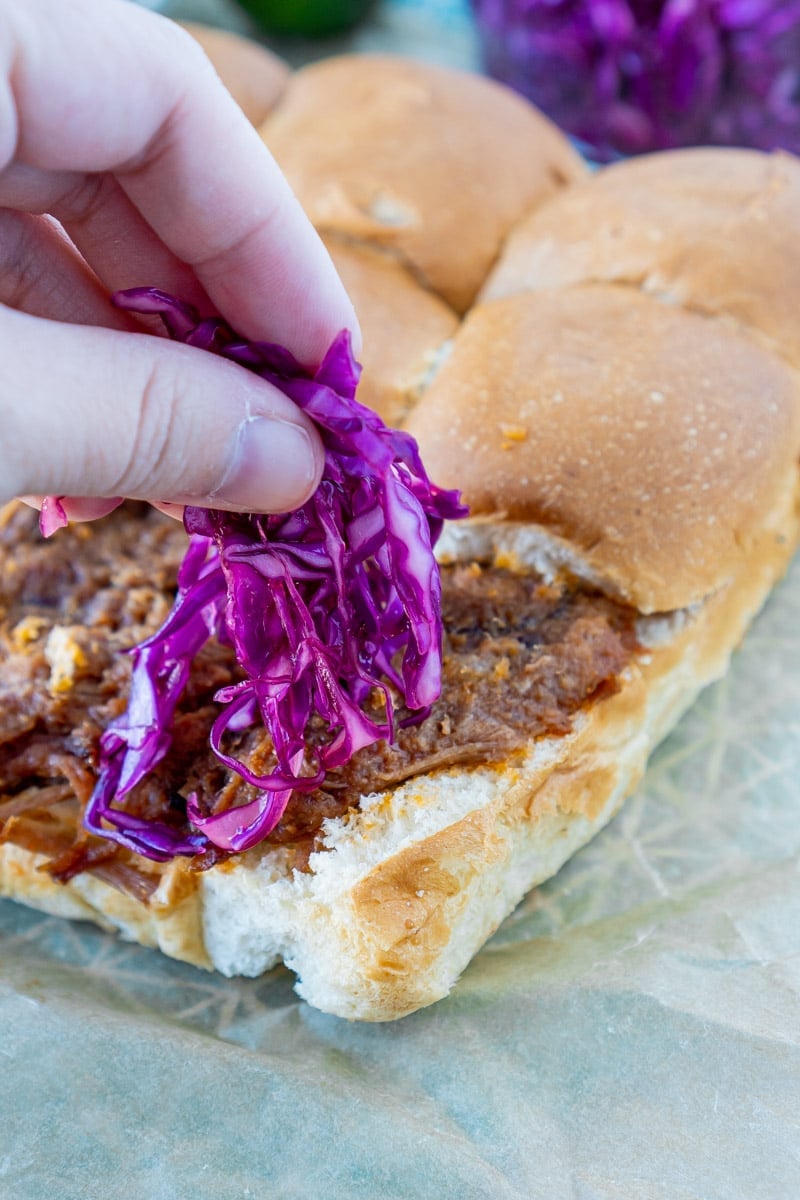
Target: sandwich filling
x=520, y=658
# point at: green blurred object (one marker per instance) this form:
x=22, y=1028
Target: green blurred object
x=307, y=18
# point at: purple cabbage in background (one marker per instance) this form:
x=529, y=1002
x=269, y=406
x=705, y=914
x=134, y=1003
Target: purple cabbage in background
x=626, y=76
x=326, y=607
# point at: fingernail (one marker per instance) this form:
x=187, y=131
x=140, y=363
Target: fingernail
x=274, y=468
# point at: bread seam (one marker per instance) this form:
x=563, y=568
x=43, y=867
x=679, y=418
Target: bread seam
x=724, y=319
x=392, y=253
x=688, y=166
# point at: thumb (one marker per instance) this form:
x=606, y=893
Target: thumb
x=97, y=412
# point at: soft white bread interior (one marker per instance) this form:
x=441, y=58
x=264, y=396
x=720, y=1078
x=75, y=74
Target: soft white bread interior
x=598, y=432
x=432, y=165
x=171, y=921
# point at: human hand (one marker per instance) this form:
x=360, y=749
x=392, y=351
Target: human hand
x=124, y=162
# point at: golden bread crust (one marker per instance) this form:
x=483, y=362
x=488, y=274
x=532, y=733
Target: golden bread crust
x=657, y=441
x=709, y=229
x=171, y=922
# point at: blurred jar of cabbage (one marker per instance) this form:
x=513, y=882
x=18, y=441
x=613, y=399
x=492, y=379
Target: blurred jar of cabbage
x=626, y=76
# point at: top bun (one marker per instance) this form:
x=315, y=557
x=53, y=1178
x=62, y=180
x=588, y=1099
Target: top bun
x=434, y=165
x=710, y=229
x=660, y=445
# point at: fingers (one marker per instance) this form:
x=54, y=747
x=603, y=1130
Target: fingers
x=95, y=213
x=95, y=412
x=100, y=86
x=41, y=273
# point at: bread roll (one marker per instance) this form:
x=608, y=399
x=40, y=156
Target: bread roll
x=432, y=165
x=710, y=229
x=657, y=445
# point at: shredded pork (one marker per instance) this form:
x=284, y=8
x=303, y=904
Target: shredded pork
x=520, y=659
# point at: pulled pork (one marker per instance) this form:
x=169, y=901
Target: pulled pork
x=521, y=657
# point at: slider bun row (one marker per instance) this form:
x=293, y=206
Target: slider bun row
x=624, y=379
x=641, y=328
x=414, y=177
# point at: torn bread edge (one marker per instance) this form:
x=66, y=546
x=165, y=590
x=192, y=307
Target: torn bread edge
x=410, y=886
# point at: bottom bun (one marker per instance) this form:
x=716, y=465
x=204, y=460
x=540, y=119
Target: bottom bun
x=407, y=888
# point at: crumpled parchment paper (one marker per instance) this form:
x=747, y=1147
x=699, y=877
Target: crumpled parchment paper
x=631, y=1031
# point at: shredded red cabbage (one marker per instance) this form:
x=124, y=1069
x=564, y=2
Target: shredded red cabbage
x=625, y=76
x=52, y=515
x=324, y=606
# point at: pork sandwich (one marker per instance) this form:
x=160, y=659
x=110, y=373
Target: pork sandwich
x=630, y=461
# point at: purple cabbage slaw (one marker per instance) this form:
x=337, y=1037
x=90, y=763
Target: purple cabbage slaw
x=52, y=515
x=626, y=76
x=323, y=606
